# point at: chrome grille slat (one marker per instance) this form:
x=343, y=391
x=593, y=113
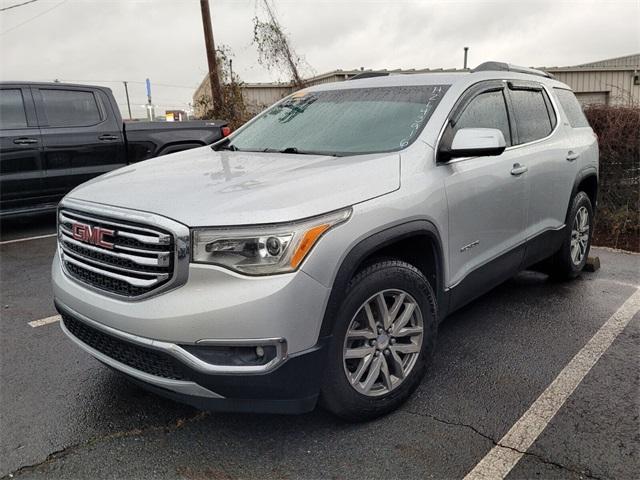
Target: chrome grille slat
x=136, y=282
x=143, y=238
x=66, y=214
x=103, y=265
x=158, y=238
x=160, y=259
x=130, y=260
x=69, y=233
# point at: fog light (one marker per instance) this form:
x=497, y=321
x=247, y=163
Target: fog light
x=245, y=355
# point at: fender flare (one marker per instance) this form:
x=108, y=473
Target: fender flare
x=354, y=258
x=580, y=177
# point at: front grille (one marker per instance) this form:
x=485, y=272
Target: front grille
x=128, y=259
x=135, y=356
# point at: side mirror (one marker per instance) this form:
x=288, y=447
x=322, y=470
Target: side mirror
x=477, y=142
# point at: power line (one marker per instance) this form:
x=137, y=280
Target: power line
x=17, y=5
x=33, y=18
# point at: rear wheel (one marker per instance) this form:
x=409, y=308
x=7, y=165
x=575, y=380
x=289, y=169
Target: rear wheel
x=382, y=341
x=569, y=261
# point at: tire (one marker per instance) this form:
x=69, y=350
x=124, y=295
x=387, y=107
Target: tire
x=405, y=352
x=565, y=264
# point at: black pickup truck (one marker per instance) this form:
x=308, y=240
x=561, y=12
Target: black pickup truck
x=54, y=136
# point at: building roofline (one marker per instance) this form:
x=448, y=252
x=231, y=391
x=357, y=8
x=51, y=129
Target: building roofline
x=590, y=69
x=587, y=64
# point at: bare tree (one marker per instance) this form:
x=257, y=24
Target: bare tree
x=274, y=49
x=231, y=107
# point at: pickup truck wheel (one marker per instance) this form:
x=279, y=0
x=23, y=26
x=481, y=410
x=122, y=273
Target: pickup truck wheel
x=382, y=342
x=569, y=261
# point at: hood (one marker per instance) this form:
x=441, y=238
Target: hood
x=202, y=187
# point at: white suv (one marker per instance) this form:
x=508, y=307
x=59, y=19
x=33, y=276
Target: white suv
x=311, y=255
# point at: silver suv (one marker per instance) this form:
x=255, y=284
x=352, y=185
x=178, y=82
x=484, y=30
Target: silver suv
x=310, y=256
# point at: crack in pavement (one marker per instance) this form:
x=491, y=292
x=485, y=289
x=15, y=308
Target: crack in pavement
x=181, y=422
x=63, y=452
x=587, y=473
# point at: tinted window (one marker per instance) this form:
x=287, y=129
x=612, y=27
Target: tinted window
x=69, y=108
x=550, y=110
x=12, y=114
x=532, y=117
x=344, y=121
x=487, y=110
x=571, y=108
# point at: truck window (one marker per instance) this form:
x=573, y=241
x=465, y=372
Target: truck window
x=571, y=108
x=487, y=110
x=70, y=108
x=12, y=114
x=532, y=118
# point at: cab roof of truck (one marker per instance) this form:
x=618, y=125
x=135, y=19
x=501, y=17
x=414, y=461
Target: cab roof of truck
x=50, y=84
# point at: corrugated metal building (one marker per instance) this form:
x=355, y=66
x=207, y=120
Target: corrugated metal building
x=615, y=81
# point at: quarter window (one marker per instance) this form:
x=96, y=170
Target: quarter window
x=487, y=110
x=572, y=108
x=532, y=115
x=70, y=108
x=12, y=114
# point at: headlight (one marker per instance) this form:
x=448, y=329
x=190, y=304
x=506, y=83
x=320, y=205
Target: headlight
x=262, y=250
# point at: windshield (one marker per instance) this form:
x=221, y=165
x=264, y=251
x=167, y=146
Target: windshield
x=342, y=122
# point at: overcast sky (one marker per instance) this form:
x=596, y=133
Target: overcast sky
x=107, y=41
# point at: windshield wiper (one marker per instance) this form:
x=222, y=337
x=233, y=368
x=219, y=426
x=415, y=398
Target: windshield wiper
x=228, y=146
x=284, y=150
x=299, y=152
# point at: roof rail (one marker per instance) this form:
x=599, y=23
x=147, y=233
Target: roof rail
x=359, y=76
x=507, y=67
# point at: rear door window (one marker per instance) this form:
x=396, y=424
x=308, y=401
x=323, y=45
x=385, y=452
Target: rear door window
x=571, y=108
x=532, y=115
x=12, y=113
x=70, y=108
x=487, y=110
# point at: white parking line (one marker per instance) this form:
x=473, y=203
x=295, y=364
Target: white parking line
x=44, y=321
x=503, y=457
x=6, y=242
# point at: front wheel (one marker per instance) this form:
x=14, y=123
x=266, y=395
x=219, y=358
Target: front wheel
x=382, y=342
x=569, y=261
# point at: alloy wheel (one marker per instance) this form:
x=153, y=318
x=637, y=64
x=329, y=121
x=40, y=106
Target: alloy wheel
x=579, y=235
x=383, y=342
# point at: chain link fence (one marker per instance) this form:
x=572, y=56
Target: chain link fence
x=618, y=216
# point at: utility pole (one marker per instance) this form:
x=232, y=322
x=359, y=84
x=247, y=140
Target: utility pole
x=466, y=50
x=126, y=92
x=150, y=110
x=214, y=79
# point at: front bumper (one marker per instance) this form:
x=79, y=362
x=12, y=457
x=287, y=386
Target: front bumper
x=291, y=387
x=215, y=306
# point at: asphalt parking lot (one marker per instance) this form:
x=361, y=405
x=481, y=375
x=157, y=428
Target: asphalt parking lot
x=65, y=415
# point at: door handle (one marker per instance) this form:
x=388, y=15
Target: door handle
x=518, y=169
x=571, y=156
x=25, y=141
x=108, y=137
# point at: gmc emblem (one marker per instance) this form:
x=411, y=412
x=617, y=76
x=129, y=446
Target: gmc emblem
x=93, y=235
